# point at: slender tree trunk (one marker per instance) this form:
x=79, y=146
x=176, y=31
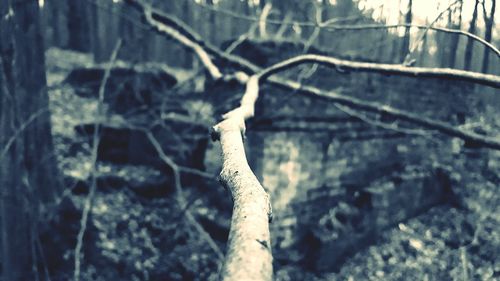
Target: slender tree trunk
x=187, y=17
x=28, y=173
x=94, y=27
x=469, y=46
x=406, y=40
x=488, y=33
x=128, y=33
x=212, y=24
x=423, y=52
x=56, y=10
x=78, y=35
x=393, y=55
x=446, y=48
x=455, y=38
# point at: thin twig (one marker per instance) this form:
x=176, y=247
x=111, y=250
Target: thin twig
x=422, y=35
x=242, y=38
x=181, y=199
x=383, y=125
x=204, y=57
x=263, y=19
x=247, y=66
x=21, y=128
x=286, y=23
x=331, y=25
x=317, y=29
x=88, y=201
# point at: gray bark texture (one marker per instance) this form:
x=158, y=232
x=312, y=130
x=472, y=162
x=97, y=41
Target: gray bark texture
x=248, y=254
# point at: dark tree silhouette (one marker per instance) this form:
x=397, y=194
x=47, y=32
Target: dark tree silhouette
x=489, y=20
x=406, y=39
x=454, y=40
x=78, y=26
x=469, y=47
x=28, y=173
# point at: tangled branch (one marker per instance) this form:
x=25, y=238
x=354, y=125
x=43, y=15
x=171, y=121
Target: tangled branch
x=332, y=25
x=249, y=254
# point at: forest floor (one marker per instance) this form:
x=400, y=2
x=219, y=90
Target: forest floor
x=136, y=237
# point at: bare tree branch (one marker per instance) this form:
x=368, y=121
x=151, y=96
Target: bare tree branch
x=331, y=25
x=314, y=35
x=21, y=128
x=486, y=79
x=439, y=126
x=286, y=23
x=179, y=36
x=95, y=144
x=397, y=69
x=422, y=35
x=249, y=254
x=262, y=19
x=181, y=199
x=387, y=126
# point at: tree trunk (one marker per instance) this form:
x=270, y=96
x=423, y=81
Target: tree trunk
x=78, y=25
x=187, y=18
x=405, y=47
x=455, y=38
x=488, y=34
x=249, y=255
x=469, y=47
x=28, y=172
x=212, y=24
x=55, y=21
x=446, y=42
x=99, y=29
x=423, y=52
x=127, y=32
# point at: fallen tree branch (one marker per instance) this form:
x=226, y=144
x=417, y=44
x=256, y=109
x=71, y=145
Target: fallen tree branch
x=358, y=104
x=249, y=246
x=396, y=69
x=178, y=35
x=355, y=103
x=249, y=254
x=173, y=27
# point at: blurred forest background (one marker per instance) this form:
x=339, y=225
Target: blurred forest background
x=100, y=115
